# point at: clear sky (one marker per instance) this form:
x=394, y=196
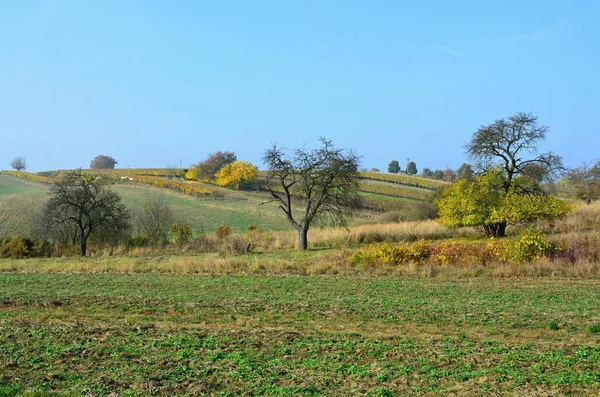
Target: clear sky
x=152, y=82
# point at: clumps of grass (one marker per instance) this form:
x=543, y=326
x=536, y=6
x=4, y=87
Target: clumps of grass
x=553, y=326
x=594, y=329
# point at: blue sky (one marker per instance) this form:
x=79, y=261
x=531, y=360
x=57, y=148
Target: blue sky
x=152, y=82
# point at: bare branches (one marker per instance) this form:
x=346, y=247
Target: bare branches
x=512, y=144
x=586, y=180
x=83, y=204
x=326, y=179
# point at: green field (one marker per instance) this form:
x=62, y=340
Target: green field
x=234, y=208
x=10, y=186
x=237, y=209
x=152, y=333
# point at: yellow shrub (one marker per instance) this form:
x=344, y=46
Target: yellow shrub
x=232, y=174
x=393, y=255
x=529, y=246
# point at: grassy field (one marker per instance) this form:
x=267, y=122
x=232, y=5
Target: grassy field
x=10, y=186
x=152, y=333
x=236, y=209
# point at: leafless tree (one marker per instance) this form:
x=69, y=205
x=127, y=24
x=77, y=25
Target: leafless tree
x=586, y=179
x=19, y=163
x=313, y=185
x=511, y=143
x=154, y=218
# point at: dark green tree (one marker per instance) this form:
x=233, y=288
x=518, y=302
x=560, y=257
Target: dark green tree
x=102, y=162
x=465, y=171
x=411, y=168
x=394, y=167
x=427, y=173
x=438, y=175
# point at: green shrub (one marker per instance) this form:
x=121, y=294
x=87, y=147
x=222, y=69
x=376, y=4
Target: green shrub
x=594, y=329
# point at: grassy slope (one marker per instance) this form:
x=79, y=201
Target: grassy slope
x=10, y=186
x=183, y=334
x=236, y=209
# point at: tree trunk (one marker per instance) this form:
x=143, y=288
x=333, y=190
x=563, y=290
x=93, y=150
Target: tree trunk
x=501, y=230
x=303, y=237
x=83, y=246
x=83, y=241
x=496, y=229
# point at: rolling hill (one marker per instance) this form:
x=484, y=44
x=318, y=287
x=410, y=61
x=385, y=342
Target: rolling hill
x=203, y=206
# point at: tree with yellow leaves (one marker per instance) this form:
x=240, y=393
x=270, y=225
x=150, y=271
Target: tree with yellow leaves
x=236, y=173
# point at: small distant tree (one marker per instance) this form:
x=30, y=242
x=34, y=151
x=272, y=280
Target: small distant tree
x=234, y=174
x=465, y=171
x=411, y=168
x=206, y=170
x=586, y=180
x=102, y=162
x=449, y=175
x=438, y=175
x=83, y=204
x=394, y=167
x=322, y=183
x=427, y=173
x=19, y=163
x=374, y=170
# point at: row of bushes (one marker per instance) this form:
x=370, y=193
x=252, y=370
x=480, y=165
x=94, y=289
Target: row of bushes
x=396, y=191
x=119, y=172
x=527, y=247
x=28, y=176
x=181, y=239
x=189, y=188
x=410, y=180
x=23, y=247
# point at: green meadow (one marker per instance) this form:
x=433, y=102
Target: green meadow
x=174, y=334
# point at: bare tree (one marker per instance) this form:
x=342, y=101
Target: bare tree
x=19, y=163
x=586, y=180
x=512, y=144
x=84, y=204
x=322, y=183
x=154, y=219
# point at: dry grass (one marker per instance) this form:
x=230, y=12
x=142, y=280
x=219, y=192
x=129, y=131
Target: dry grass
x=583, y=218
x=298, y=263
x=370, y=233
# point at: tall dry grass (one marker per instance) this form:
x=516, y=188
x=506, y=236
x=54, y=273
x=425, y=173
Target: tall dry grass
x=583, y=218
x=368, y=234
x=294, y=263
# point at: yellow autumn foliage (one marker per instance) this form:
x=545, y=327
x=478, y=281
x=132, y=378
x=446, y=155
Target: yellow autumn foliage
x=233, y=174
